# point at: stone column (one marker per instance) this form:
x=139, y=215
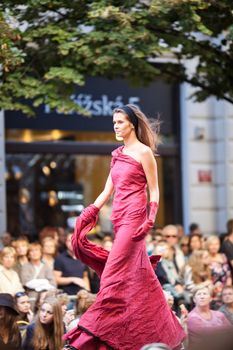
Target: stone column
x=207, y=161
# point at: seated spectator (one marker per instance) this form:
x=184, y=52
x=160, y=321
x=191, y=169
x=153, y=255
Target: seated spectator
x=227, y=245
x=21, y=246
x=9, y=279
x=25, y=313
x=227, y=300
x=184, y=246
x=166, y=271
x=6, y=239
x=9, y=331
x=202, y=320
x=49, y=251
x=70, y=273
x=48, y=231
x=47, y=330
x=170, y=234
x=83, y=302
x=195, y=243
x=157, y=237
x=180, y=231
x=194, y=229
x=182, y=313
x=220, y=272
x=195, y=271
x=61, y=245
x=36, y=275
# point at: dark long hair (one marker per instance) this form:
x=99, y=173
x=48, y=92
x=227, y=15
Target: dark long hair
x=9, y=329
x=147, y=131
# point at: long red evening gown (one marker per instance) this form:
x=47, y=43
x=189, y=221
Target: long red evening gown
x=130, y=309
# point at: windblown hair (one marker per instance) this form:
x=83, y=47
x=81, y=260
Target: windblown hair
x=147, y=131
x=9, y=329
x=49, y=336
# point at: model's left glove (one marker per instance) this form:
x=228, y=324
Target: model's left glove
x=148, y=224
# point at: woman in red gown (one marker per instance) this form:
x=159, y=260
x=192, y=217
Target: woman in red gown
x=130, y=309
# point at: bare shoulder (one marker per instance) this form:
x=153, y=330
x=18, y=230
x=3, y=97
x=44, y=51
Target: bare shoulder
x=146, y=152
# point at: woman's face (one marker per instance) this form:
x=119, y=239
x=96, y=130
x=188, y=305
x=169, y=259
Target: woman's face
x=227, y=296
x=23, y=304
x=49, y=247
x=195, y=243
x=8, y=261
x=122, y=126
x=214, y=246
x=21, y=248
x=35, y=253
x=202, y=297
x=46, y=314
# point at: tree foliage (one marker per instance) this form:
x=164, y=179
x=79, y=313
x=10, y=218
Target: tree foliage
x=48, y=47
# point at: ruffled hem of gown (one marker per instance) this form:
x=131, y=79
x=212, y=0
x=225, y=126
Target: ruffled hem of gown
x=81, y=339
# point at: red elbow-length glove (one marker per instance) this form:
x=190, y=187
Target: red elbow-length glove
x=147, y=224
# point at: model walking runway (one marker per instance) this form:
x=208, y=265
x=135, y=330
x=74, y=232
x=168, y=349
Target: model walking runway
x=130, y=309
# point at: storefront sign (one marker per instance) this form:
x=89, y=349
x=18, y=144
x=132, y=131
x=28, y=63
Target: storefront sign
x=99, y=97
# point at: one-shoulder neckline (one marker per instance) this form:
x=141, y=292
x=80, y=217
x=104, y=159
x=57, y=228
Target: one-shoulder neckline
x=127, y=155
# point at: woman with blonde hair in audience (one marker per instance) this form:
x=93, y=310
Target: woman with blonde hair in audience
x=195, y=271
x=84, y=300
x=220, y=271
x=21, y=247
x=47, y=331
x=9, y=278
x=36, y=275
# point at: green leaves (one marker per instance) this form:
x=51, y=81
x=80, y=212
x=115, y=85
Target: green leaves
x=56, y=44
x=65, y=74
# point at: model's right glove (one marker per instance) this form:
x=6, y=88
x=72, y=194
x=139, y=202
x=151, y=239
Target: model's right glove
x=90, y=213
x=148, y=224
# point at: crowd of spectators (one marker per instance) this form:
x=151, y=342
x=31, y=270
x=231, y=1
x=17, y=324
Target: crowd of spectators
x=44, y=289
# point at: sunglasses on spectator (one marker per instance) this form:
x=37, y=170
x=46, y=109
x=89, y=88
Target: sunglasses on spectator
x=20, y=294
x=171, y=236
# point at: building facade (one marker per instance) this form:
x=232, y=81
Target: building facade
x=207, y=161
